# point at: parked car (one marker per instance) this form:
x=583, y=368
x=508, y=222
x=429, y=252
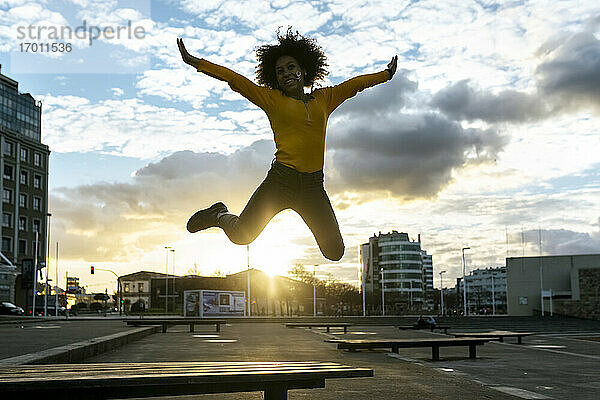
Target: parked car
x=7, y=308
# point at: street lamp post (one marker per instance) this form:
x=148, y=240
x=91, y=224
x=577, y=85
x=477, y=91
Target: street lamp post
x=248, y=279
x=314, y=291
x=118, y=286
x=442, y=292
x=167, y=280
x=47, y=268
x=464, y=281
x=493, y=296
x=35, y=262
x=174, y=298
x=382, y=294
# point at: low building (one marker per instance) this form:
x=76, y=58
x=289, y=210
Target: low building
x=570, y=285
x=486, y=291
x=274, y=296
x=137, y=288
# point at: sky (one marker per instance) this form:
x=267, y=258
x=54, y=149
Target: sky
x=487, y=137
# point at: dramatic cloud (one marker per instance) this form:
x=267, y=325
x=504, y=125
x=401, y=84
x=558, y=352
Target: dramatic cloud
x=568, y=77
x=461, y=101
x=106, y=221
x=409, y=156
x=565, y=242
x=571, y=69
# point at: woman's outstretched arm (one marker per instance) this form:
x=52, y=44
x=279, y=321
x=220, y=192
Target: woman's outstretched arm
x=239, y=83
x=339, y=93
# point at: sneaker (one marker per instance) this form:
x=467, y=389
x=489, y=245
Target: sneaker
x=206, y=218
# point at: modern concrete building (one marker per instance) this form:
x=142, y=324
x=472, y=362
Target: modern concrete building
x=486, y=291
x=570, y=285
x=24, y=184
x=400, y=261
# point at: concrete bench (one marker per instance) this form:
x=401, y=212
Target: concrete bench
x=166, y=322
x=132, y=380
x=310, y=325
x=495, y=335
x=431, y=328
x=396, y=344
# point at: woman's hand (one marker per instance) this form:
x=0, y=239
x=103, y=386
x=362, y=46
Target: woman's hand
x=187, y=57
x=392, y=65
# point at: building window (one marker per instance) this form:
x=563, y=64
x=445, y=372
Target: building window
x=37, y=159
x=140, y=287
x=7, y=220
x=23, y=178
x=37, y=181
x=36, y=225
x=7, y=196
x=22, y=200
x=6, y=244
x=22, y=223
x=126, y=288
x=8, y=146
x=22, y=246
x=8, y=172
x=24, y=154
x=37, y=203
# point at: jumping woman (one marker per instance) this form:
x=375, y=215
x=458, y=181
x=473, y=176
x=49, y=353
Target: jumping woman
x=299, y=122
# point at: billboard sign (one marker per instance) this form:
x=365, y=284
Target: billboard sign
x=214, y=303
x=73, y=285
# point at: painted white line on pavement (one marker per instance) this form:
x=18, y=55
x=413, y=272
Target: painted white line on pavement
x=568, y=353
x=524, y=394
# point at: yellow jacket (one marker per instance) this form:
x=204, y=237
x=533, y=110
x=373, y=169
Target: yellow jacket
x=299, y=128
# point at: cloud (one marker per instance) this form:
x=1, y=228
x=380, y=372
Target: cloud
x=570, y=71
x=567, y=79
x=128, y=127
x=109, y=221
x=118, y=92
x=564, y=241
x=408, y=156
x=461, y=101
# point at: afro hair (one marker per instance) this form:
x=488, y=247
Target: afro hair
x=305, y=50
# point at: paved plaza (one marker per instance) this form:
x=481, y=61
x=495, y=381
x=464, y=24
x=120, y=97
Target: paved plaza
x=545, y=366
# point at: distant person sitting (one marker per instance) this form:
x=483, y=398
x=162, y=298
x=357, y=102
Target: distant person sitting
x=426, y=322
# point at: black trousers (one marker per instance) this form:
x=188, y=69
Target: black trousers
x=285, y=188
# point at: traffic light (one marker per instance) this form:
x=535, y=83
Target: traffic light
x=92, y=270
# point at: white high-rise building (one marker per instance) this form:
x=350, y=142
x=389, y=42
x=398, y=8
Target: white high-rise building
x=428, y=279
x=398, y=261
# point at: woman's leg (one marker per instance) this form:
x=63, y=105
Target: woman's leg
x=314, y=207
x=267, y=200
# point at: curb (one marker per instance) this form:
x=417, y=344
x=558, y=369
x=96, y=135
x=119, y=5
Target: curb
x=79, y=351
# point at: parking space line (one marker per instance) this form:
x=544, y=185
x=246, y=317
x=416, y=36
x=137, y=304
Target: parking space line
x=524, y=394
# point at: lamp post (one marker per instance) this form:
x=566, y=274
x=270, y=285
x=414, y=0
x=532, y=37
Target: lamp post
x=35, y=262
x=118, y=286
x=442, y=292
x=493, y=297
x=173, y=251
x=464, y=281
x=47, y=268
x=248, y=279
x=167, y=280
x=382, y=294
x=314, y=291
